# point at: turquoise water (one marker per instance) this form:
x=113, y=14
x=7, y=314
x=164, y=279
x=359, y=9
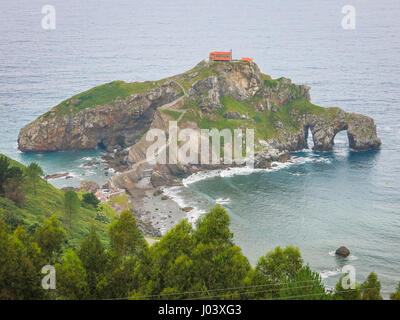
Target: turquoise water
x=343, y=198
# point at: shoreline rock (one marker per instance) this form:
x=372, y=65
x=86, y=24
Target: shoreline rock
x=56, y=176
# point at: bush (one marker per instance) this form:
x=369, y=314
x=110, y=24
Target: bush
x=100, y=216
x=11, y=219
x=90, y=200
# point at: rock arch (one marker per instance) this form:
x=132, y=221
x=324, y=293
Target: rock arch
x=361, y=130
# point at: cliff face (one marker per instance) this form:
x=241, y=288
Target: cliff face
x=117, y=124
x=211, y=95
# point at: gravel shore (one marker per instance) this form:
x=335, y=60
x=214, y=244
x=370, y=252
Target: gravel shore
x=156, y=210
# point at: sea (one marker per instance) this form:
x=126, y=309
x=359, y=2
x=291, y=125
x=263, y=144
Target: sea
x=321, y=201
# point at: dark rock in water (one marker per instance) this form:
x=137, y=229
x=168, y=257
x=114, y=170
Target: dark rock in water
x=157, y=192
x=56, y=175
x=68, y=177
x=164, y=198
x=107, y=158
x=343, y=252
x=187, y=209
x=91, y=164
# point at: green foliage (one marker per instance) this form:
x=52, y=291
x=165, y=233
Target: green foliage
x=71, y=204
x=100, y=216
x=101, y=95
x=90, y=200
x=187, y=260
x=19, y=265
x=371, y=288
x=94, y=259
x=11, y=178
x=4, y=172
x=396, y=295
x=275, y=268
x=214, y=227
x=186, y=263
x=71, y=277
x=10, y=217
x=49, y=201
x=304, y=285
x=33, y=173
x=341, y=293
x=280, y=264
x=50, y=238
x=125, y=237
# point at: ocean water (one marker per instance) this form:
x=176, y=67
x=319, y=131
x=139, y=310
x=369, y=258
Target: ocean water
x=322, y=201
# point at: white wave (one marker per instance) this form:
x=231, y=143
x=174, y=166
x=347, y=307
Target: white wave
x=86, y=159
x=352, y=258
x=223, y=200
x=330, y=273
x=230, y=172
x=193, y=215
x=174, y=194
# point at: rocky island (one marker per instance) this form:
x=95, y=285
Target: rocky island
x=219, y=95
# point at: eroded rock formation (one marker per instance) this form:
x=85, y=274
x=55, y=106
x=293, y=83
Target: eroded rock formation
x=279, y=111
x=115, y=125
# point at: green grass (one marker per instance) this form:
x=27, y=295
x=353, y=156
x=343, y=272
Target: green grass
x=49, y=201
x=101, y=95
x=171, y=113
x=266, y=124
x=122, y=201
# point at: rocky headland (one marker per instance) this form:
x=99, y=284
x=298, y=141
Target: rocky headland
x=218, y=95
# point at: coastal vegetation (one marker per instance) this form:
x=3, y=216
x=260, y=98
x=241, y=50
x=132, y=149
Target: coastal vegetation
x=96, y=260
x=19, y=206
x=100, y=95
x=187, y=263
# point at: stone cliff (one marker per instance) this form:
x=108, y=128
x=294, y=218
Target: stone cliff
x=116, y=124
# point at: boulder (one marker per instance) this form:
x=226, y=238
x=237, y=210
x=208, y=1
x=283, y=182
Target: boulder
x=187, y=209
x=89, y=186
x=342, y=252
x=232, y=115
